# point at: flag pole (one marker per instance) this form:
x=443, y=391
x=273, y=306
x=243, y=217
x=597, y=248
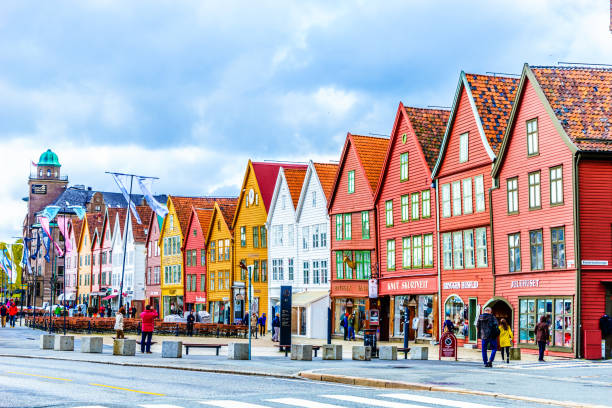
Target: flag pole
x=127, y=224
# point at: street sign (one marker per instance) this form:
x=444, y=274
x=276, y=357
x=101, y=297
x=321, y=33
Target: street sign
x=285, y=316
x=448, y=346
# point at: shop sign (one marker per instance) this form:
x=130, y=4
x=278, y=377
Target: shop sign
x=200, y=299
x=448, y=346
x=39, y=189
x=405, y=286
x=525, y=283
x=460, y=285
x=285, y=315
x=156, y=293
x=374, y=317
x=339, y=288
x=372, y=288
x=594, y=263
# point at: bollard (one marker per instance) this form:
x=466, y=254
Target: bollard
x=172, y=349
x=177, y=330
x=64, y=343
x=89, y=326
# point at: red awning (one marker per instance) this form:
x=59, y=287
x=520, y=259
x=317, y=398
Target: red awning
x=109, y=297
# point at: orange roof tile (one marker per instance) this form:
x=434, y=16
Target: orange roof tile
x=94, y=221
x=204, y=216
x=182, y=206
x=77, y=226
x=581, y=98
x=372, y=152
x=140, y=231
x=295, y=180
x=228, y=210
x=429, y=126
x=327, y=174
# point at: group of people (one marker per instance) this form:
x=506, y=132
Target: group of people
x=347, y=323
x=147, y=318
x=8, y=311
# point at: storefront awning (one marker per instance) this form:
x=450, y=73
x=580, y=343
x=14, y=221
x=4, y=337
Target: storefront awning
x=69, y=296
x=308, y=297
x=109, y=297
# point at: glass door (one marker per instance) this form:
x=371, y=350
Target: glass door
x=472, y=320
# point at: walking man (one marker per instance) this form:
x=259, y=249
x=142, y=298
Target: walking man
x=488, y=331
x=3, y=314
x=12, y=311
x=275, y=328
x=542, y=333
x=262, y=325
x=190, y=322
x=148, y=325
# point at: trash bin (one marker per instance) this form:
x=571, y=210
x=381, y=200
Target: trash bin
x=369, y=339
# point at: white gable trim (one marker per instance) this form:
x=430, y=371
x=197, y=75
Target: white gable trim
x=483, y=137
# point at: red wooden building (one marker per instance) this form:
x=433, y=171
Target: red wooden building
x=194, y=253
x=405, y=201
x=353, y=227
x=153, y=262
x=474, y=132
x=553, y=208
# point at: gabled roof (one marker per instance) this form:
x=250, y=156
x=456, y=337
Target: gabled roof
x=112, y=214
x=491, y=98
x=327, y=174
x=153, y=217
x=266, y=173
x=77, y=226
x=183, y=207
x=227, y=212
x=429, y=126
x=94, y=222
x=371, y=151
x=140, y=231
x=295, y=179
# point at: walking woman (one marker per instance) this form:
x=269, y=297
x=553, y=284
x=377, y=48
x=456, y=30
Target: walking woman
x=542, y=333
x=506, y=339
x=148, y=325
x=119, y=323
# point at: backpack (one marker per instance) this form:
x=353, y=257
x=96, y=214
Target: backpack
x=494, y=330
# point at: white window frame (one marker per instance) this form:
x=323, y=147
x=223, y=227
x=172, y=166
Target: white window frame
x=456, y=198
x=446, y=200
x=406, y=253
x=463, y=147
x=447, y=250
x=469, y=260
x=482, y=259
x=533, y=147
x=458, y=250
x=467, y=196
x=512, y=191
x=390, y=254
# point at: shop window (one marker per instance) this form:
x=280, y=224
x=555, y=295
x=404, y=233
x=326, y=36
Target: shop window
x=558, y=247
x=455, y=310
x=559, y=313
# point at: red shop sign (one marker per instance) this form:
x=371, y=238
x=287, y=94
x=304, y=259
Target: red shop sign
x=448, y=346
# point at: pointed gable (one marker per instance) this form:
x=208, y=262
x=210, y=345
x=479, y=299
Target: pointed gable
x=295, y=180
x=371, y=151
x=140, y=231
x=183, y=207
x=204, y=216
x=266, y=174
x=326, y=172
x=428, y=126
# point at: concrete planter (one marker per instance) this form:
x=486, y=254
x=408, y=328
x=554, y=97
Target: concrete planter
x=419, y=353
x=124, y=347
x=238, y=351
x=515, y=353
x=91, y=345
x=64, y=343
x=302, y=352
x=172, y=349
x=331, y=352
x=47, y=341
x=387, y=353
x=362, y=353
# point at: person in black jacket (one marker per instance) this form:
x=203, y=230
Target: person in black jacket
x=190, y=322
x=605, y=325
x=276, y=328
x=488, y=331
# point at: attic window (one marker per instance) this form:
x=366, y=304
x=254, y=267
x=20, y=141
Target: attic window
x=219, y=225
x=463, y=148
x=146, y=231
x=195, y=233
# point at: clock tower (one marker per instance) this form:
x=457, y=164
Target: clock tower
x=46, y=185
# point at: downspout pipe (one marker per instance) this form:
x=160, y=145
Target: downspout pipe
x=492, y=257
x=434, y=184
x=576, y=187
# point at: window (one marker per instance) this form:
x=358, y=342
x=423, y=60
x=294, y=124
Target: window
x=415, y=205
x=481, y=247
x=556, y=185
x=220, y=250
x=264, y=270
x=347, y=226
x=365, y=225
x=171, y=221
x=202, y=257
x=315, y=236
x=290, y=268
x=339, y=265
x=467, y=196
x=447, y=248
x=290, y=230
x=189, y=282
x=456, y=198
x=480, y=196
x=458, y=250
x=512, y=186
x=338, y=227
x=202, y=283
x=514, y=252
x=213, y=252
x=263, y=239
x=306, y=272
x=391, y=254
x=255, y=237
x=275, y=269
x=534, y=190
x=446, y=200
x=417, y=251
x=558, y=247
x=389, y=213
x=363, y=264
x=243, y=272
x=406, y=264
x=279, y=235
x=281, y=270
x=468, y=245
x=560, y=313
x=348, y=271
x=305, y=234
x=284, y=202
x=536, y=250
x=188, y=258
x=351, y=181
x=455, y=309
x=532, y=137
x=324, y=235
x=315, y=272
x=314, y=199
x=243, y=236
x=426, y=203
x=463, y=148
x=404, y=166
x=255, y=271
x=227, y=250
x=428, y=250
x=323, y=271
x=405, y=204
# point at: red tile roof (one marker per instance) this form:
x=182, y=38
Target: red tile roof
x=327, y=174
x=77, y=226
x=493, y=97
x=429, y=126
x=112, y=215
x=94, y=221
x=182, y=206
x=204, y=215
x=581, y=98
x=372, y=152
x=140, y=231
x=266, y=174
x=295, y=180
x=228, y=211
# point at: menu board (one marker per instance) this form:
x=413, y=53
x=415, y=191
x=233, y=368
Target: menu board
x=285, y=316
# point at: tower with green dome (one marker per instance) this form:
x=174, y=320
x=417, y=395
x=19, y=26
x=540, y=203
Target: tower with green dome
x=46, y=184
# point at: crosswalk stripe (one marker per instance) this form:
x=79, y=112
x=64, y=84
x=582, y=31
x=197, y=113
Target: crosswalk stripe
x=373, y=402
x=231, y=404
x=303, y=403
x=439, y=401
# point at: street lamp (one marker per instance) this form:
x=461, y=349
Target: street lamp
x=406, y=322
x=249, y=269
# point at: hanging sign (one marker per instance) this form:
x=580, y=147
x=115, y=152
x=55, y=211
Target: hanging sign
x=372, y=288
x=285, y=315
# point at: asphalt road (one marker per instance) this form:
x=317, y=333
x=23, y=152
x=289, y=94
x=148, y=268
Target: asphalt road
x=45, y=383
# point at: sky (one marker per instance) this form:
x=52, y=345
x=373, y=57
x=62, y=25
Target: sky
x=188, y=91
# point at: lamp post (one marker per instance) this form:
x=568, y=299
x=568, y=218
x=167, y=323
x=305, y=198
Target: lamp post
x=406, y=322
x=250, y=292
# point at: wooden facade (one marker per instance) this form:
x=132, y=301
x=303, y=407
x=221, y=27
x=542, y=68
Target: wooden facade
x=194, y=252
x=153, y=263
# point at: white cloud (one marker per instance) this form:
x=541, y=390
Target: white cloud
x=326, y=104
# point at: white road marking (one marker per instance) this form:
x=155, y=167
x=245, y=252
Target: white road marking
x=373, y=402
x=159, y=406
x=231, y=404
x=303, y=403
x=90, y=406
x=438, y=401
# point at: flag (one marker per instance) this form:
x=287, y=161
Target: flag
x=50, y=212
x=35, y=254
x=126, y=196
x=8, y=266
x=62, y=224
x=78, y=210
x=47, y=244
x=145, y=187
x=25, y=255
x=44, y=222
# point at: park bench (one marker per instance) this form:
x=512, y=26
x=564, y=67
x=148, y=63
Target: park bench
x=197, y=345
x=404, y=350
x=285, y=348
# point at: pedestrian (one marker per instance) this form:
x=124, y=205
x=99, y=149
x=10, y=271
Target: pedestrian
x=542, y=333
x=12, y=311
x=351, y=327
x=506, y=339
x=190, y=322
x=605, y=325
x=109, y=310
x=254, y=321
x=262, y=325
x=148, y=325
x=119, y=322
x=488, y=331
x=275, y=328
x=58, y=311
x=344, y=325
x=101, y=310
x=3, y=314
x=448, y=325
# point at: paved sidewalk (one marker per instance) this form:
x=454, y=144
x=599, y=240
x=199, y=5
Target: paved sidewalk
x=557, y=379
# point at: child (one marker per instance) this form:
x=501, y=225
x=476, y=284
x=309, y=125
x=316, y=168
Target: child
x=506, y=339
x=119, y=323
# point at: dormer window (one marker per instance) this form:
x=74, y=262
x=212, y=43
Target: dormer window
x=284, y=202
x=463, y=148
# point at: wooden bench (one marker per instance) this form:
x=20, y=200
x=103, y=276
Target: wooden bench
x=196, y=345
x=285, y=348
x=404, y=350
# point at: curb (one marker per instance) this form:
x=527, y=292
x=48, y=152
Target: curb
x=377, y=383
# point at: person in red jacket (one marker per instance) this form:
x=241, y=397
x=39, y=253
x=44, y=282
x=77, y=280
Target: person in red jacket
x=12, y=311
x=148, y=324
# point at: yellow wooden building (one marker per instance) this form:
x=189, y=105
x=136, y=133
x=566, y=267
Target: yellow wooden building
x=251, y=236
x=220, y=246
